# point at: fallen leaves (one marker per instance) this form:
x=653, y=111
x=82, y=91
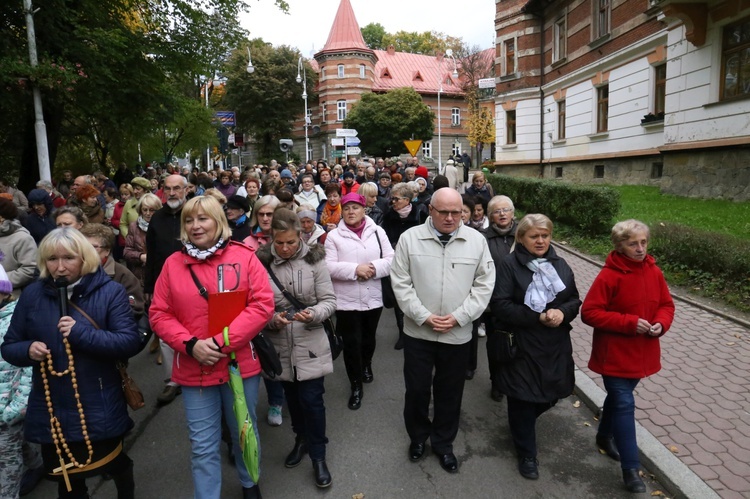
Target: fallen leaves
x=673, y=449
x=577, y=404
x=358, y=496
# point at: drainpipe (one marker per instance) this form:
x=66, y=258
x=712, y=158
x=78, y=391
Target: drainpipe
x=541, y=94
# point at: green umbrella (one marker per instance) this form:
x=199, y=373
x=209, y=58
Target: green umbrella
x=248, y=442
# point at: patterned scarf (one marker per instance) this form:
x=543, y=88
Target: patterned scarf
x=142, y=224
x=200, y=254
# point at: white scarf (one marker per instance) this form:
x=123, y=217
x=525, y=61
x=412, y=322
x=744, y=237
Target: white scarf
x=200, y=254
x=545, y=284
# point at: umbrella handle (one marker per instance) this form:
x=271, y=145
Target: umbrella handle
x=226, y=343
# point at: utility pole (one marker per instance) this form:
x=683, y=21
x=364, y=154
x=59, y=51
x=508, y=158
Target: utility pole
x=40, y=129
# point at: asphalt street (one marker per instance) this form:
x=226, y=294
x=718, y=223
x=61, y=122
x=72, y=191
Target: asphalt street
x=367, y=453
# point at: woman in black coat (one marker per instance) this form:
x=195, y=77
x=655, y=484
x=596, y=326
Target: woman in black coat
x=537, y=306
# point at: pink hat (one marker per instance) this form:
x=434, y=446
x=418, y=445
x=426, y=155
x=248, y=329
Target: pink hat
x=353, y=197
x=422, y=172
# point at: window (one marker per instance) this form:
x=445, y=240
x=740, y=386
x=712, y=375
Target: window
x=509, y=60
x=602, y=108
x=340, y=110
x=309, y=116
x=455, y=116
x=601, y=18
x=660, y=88
x=735, y=60
x=559, y=40
x=561, y=120
x=341, y=70
x=456, y=149
x=598, y=171
x=510, y=127
x=309, y=149
x=362, y=71
x=558, y=171
x=427, y=149
x=323, y=112
x=657, y=170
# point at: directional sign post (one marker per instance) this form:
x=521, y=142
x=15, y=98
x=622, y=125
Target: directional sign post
x=346, y=132
x=352, y=141
x=353, y=151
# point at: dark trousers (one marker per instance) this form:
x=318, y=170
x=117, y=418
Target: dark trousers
x=399, y=318
x=522, y=417
x=358, y=330
x=308, y=411
x=618, y=419
x=492, y=339
x=446, y=387
x=121, y=470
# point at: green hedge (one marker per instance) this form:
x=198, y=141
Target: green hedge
x=590, y=209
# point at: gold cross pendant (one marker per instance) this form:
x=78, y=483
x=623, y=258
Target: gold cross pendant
x=64, y=468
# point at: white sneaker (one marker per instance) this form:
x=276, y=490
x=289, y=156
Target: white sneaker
x=274, y=415
x=481, y=331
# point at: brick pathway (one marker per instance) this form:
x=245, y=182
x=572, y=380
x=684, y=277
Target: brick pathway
x=698, y=405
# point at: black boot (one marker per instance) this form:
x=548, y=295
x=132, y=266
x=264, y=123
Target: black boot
x=633, y=481
x=367, y=375
x=355, y=401
x=322, y=475
x=124, y=483
x=607, y=446
x=298, y=452
x=251, y=492
x=400, y=342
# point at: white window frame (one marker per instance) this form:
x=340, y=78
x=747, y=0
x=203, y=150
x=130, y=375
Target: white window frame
x=559, y=39
x=340, y=110
x=456, y=149
x=362, y=71
x=324, y=112
x=340, y=69
x=456, y=116
x=427, y=149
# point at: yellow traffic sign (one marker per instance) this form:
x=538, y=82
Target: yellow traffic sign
x=413, y=146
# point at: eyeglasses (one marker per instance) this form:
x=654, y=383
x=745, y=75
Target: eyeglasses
x=447, y=213
x=502, y=211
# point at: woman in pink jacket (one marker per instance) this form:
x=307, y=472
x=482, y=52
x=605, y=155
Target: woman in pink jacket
x=630, y=308
x=179, y=314
x=358, y=255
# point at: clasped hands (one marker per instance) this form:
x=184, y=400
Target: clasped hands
x=441, y=323
x=38, y=350
x=645, y=327
x=365, y=271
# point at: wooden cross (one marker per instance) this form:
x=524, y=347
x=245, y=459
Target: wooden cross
x=64, y=468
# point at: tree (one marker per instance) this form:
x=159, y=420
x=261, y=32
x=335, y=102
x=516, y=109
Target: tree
x=373, y=34
x=384, y=121
x=475, y=65
x=268, y=100
x=427, y=43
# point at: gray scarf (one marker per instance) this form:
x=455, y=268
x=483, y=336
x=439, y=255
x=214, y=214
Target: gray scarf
x=545, y=284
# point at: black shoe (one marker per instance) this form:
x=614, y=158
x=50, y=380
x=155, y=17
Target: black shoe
x=448, y=462
x=469, y=374
x=168, y=395
x=367, y=375
x=400, y=343
x=298, y=452
x=251, y=492
x=355, y=401
x=322, y=475
x=416, y=451
x=633, y=481
x=528, y=467
x=607, y=446
x=496, y=395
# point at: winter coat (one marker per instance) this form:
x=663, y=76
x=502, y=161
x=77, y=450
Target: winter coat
x=313, y=198
x=500, y=246
x=120, y=273
x=94, y=214
x=376, y=214
x=624, y=291
x=303, y=349
x=318, y=236
x=429, y=278
x=344, y=251
x=241, y=231
x=486, y=192
x=162, y=240
x=544, y=371
x=38, y=226
x=135, y=245
x=394, y=225
x=15, y=382
x=115, y=221
x=95, y=353
x=178, y=312
x=19, y=254
x=256, y=239
x=453, y=176
x=129, y=215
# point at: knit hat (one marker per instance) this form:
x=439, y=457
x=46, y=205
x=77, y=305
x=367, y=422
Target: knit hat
x=348, y=174
x=142, y=183
x=286, y=174
x=5, y=284
x=307, y=214
x=353, y=197
x=238, y=203
x=7, y=209
x=38, y=196
x=422, y=172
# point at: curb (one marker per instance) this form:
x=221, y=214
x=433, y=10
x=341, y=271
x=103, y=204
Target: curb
x=676, y=476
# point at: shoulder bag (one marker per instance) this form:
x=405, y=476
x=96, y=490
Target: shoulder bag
x=334, y=339
x=389, y=299
x=133, y=394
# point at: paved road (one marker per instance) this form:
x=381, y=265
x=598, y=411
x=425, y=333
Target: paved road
x=368, y=448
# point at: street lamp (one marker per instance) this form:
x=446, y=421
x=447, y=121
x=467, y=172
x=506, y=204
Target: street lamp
x=250, y=68
x=449, y=53
x=303, y=79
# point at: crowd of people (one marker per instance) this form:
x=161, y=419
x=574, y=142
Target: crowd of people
x=209, y=260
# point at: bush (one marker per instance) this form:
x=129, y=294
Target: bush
x=587, y=208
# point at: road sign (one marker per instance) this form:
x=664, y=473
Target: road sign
x=346, y=132
x=413, y=146
x=486, y=83
x=353, y=151
x=337, y=154
x=337, y=142
x=226, y=118
x=352, y=141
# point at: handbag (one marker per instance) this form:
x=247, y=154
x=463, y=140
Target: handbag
x=389, y=298
x=506, y=346
x=133, y=394
x=270, y=362
x=335, y=340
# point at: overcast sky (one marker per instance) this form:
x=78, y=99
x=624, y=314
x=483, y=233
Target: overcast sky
x=308, y=23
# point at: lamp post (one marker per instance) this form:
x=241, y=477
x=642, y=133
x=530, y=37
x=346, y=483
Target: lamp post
x=303, y=79
x=40, y=129
x=449, y=53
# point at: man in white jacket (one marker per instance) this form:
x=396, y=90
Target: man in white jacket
x=442, y=276
x=309, y=193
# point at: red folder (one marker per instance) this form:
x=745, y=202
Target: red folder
x=223, y=308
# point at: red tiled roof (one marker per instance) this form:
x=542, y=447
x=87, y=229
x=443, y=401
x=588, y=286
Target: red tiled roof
x=345, y=33
x=422, y=72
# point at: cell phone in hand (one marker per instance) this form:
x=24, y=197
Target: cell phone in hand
x=289, y=313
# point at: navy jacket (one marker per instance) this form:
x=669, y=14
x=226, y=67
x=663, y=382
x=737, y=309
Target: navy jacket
x=95, y=353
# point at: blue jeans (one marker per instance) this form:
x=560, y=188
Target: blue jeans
x=618, y=419
x=203, y=407
x=308, y=411
x=275, y=392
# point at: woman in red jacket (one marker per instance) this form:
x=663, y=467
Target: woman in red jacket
x=629, y=307
x=179, y=316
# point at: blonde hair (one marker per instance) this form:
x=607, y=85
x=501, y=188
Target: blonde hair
x=622, y=231
x=211, y=207
x=496, y=200
x=367, y=189
x=72, y=241
x=148, y=200
x=216, y=194
x=269, y=200
x=531, y=221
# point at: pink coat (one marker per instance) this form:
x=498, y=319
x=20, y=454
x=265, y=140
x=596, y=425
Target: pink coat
x=344, y=251
x=178, y=312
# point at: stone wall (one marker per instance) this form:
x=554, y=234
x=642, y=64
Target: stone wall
x=723, y=174
x=634, y=171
